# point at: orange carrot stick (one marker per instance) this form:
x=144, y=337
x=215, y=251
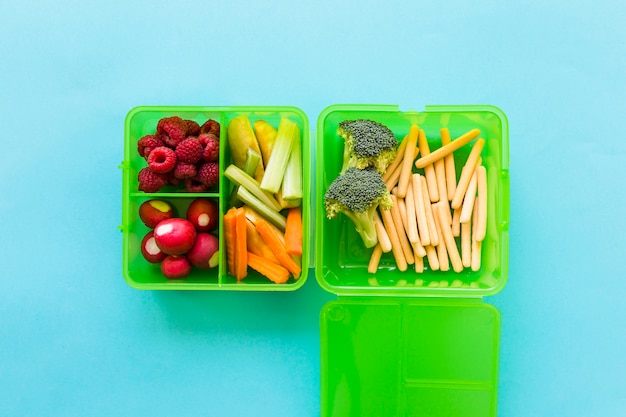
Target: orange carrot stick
x=229, y=239
x=254, y=217
x=279, y=249
x=274, y=272
x=241, y=245
x=257, y=245
x=293, y=232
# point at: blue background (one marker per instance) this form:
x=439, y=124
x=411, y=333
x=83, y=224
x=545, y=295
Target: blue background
x=76, y=340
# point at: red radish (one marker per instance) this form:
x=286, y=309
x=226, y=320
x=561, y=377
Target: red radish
x=204, y=214
x=175, y=267
x=175, y=236
x=149, y=249
x=204, y=253
x=152, y=212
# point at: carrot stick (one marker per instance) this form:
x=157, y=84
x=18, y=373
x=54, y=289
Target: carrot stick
x=449, y=163
x=278, y=247
x=429, y=169
x=241, y=245
x=230, y=238
x=257, y=245
x=293, y=232
x=254, y=217
x=407, y=162
x=274, y=272
x=375, y=259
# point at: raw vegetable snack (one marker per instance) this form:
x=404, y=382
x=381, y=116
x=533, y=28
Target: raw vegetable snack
x=263, y=224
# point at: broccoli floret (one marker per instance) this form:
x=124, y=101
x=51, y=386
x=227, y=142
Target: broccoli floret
x=367, y=143
x=357, y=193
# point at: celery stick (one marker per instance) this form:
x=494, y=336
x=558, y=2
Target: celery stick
x=292, y=181
x=263, y=209
x=252, y=161
x=277, y=164
x=239, y=177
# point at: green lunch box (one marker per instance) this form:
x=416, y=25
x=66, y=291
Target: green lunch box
x=394, y=343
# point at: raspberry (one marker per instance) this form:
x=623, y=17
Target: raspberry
x=203, y=138
x=150, y=181
x=147, y=144
x=184, y=170
x=162, y=159
x=211, y=147
x=189, y=150
x=193, y=128
x=192, y=185
x=211, y=126
x=209, y=174
x=172, y=130
x=171, y=178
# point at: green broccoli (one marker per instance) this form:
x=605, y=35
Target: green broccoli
x=357, y=193
x=367, y=143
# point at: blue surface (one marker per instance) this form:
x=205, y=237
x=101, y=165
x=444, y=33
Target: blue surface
x=75, y=340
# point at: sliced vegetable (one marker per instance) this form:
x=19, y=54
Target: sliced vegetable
x=278, y=248
x=241, y=138
x=292, y=181
x=275, y=272
x=293, y=232
x=266, y=136
x=256, y=244
x=263, y=209
x=249, y=167
x=230, y=238
x=286, y=203
x=240, y=178
x=255, y=218
x=241, y=247
x=287, y=134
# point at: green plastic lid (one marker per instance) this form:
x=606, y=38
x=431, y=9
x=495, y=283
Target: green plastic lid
x=409, y=357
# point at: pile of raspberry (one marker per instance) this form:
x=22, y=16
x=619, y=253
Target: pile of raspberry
x=180, y=153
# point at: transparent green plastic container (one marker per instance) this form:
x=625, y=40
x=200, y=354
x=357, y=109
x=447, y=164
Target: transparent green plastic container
x=390, y=349
x=140, y=274
x=396, y=348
